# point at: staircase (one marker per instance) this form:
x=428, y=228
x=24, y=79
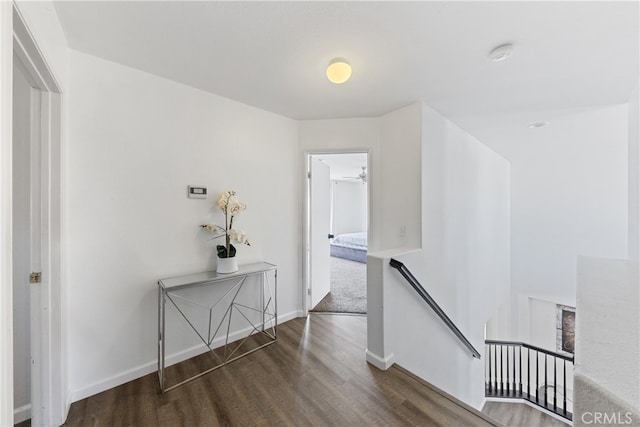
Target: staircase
x=516, y=370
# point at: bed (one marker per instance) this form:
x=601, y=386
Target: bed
x=351, y=246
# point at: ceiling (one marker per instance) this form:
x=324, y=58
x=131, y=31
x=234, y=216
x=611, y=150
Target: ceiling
x=344, y=166
x=272, y=55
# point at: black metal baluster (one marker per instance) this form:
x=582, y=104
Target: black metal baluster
x=488, y=347
x=555, y=392
x=529, y=373
x=495, y=368
x=490, y=376
x=514, y=368
x=511, y=380
x=537, y=375
x=564, y=391
x=501, y=372
x=520, y=365
x=486, y=371
x=545, y=380
x=508, y=385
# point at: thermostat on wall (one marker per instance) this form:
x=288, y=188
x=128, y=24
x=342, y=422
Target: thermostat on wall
x=197, y=192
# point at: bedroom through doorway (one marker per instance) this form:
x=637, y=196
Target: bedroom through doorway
x=338, y=207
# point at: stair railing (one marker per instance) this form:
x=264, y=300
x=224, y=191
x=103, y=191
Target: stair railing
x=516, y=370
x=404, y=271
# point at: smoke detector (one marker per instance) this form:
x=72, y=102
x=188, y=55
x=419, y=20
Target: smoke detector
x=501, y=52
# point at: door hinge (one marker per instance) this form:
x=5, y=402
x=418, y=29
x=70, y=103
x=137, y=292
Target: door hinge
x=308, y=291
x=35, y=277
x=309, y=175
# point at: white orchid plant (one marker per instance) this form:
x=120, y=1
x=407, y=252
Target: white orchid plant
x=229, y=204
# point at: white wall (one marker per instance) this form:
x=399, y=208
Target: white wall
x=400, y=187
x=568, y=198
x=349, y=207
x=393, y=142
x=465, y=213
x=542, y=323
x=466, y=250
x=463, y=264
x=343, y=135
x=135, y=142
x=498, y=326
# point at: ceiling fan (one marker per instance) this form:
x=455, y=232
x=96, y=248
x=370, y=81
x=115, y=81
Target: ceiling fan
x=361, y=176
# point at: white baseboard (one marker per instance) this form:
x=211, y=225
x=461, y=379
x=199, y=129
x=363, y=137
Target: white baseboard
x=382, y=363
x=22, y=413
x=482, y=403
x=152, y=366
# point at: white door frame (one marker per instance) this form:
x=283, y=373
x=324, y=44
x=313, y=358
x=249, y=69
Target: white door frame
x=306, y=214
x=6, y=214
x=49, y=392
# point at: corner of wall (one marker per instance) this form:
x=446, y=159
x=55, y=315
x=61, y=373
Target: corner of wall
x=380, y=362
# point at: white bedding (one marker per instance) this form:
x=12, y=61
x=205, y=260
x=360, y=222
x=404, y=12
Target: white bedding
x=352, y=240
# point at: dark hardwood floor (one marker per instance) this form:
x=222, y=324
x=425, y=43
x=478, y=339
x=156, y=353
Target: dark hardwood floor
x=316, y=374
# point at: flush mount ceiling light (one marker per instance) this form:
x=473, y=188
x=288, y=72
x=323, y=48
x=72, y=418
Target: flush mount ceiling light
x=537, y=125
x=338, y=71
x=501, y=52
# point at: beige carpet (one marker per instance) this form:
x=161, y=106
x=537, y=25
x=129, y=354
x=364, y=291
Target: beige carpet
x=348, y=288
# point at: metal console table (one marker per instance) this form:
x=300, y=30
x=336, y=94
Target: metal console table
x=266, y=312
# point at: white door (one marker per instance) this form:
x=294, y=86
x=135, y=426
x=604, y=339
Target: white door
x=320, y=211
x=26, y=236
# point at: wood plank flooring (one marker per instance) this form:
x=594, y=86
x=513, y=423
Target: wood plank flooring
x=315, y=374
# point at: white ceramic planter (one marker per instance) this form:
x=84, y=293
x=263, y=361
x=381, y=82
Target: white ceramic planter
x=227, y=265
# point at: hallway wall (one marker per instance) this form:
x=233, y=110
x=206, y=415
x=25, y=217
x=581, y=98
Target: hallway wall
x=136, y=141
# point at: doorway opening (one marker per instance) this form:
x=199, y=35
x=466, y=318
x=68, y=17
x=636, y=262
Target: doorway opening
x=337, y=230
